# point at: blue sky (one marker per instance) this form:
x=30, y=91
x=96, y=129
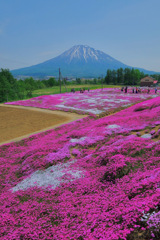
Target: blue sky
x=33, y=31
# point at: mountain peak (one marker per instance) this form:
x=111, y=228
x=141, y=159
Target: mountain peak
x=81, y=52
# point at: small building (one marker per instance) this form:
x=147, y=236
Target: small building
x=148, y=82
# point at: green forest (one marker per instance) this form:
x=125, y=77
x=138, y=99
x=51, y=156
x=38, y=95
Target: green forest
x=127, y=76
x=13, y=89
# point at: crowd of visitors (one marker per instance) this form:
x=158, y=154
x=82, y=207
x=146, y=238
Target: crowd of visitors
x=126, y=89
x=139, y=89
x=82, y=90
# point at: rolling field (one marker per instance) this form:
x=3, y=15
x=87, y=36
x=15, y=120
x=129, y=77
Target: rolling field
x=93, y=178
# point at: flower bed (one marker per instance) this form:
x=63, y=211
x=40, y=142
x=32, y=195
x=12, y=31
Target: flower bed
x=110, y=185
x=93, y=102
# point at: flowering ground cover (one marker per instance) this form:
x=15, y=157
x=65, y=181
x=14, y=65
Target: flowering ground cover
x=91, y=179
x=94, y=102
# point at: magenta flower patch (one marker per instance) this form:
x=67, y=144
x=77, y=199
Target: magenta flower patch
x=90, y=179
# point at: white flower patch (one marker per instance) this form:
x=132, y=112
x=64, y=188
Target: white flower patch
x=77, y=140
x=122, y=100
x=109, y=100
x=84, y=141
x=52, y=176
x=147, y=135
x=91, y=100
x=146, y=216
x=154, y=96
x=112, y=126
x=73, y=108
x=63, y=106
x=142, y=97
x=95, y=111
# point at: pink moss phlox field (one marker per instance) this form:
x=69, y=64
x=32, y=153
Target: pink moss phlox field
x=119, y=185
x=93, y=102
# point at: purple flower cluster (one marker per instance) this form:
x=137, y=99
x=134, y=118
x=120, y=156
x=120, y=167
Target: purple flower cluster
x=119, y=183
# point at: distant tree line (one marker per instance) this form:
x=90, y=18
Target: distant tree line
x=125, y=76
x=79, y=81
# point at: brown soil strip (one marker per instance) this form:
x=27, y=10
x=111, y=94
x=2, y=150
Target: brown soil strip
x=18, y=122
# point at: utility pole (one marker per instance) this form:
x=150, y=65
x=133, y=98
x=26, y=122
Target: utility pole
x=102, y=82
x=60, y=79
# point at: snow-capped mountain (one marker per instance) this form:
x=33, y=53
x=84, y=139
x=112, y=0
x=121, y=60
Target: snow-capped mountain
x=86, y=54
x=78, y=61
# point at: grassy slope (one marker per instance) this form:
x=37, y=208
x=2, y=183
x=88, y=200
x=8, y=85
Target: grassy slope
x=56, y=89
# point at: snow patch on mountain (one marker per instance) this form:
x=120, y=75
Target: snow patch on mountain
x=83, y=52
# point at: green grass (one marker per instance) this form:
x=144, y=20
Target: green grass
x=56, y=89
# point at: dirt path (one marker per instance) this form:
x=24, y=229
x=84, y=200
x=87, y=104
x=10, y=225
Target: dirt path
x=18, y=122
